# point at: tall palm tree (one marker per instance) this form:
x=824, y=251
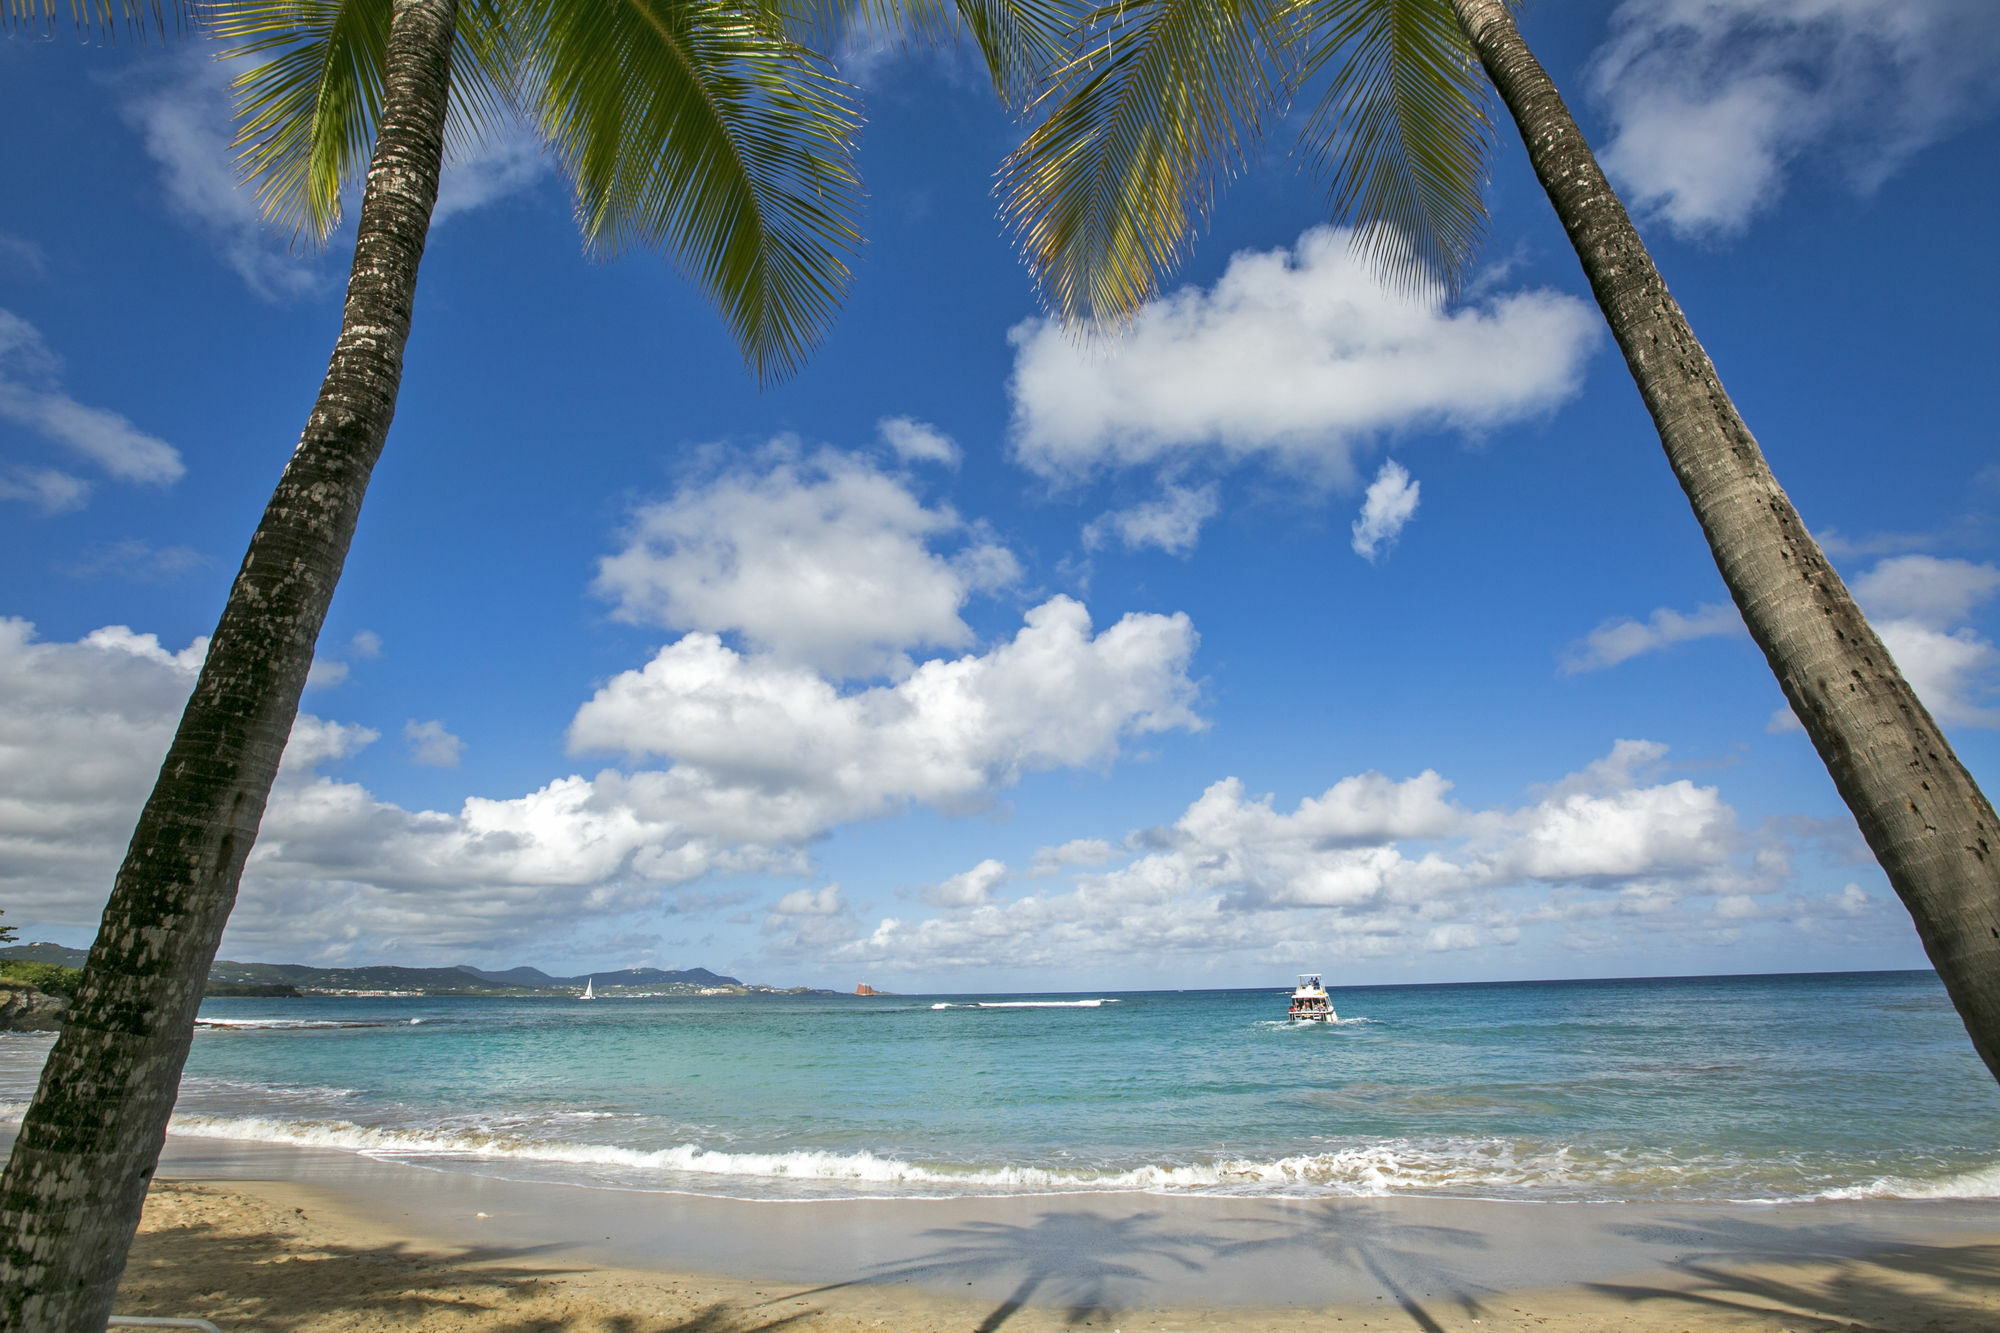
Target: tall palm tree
x=702, y=128
x=1164, y=99
x=707, y=129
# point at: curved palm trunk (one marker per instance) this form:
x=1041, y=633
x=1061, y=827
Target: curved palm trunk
x=1924, y=817
x=75, y=1183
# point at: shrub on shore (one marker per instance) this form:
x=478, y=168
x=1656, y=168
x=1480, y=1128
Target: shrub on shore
x=49, y=978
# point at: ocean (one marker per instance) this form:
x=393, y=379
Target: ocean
x=1843, y=1085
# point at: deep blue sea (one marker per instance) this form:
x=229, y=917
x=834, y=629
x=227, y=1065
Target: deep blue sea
x=1727, y=1088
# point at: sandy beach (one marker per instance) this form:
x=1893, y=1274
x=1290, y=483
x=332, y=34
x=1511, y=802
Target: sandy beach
x=255, y=1236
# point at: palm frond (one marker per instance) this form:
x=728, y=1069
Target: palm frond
x=307, y=111
x=698, y=128
x=1168, y=101
x=1022, y=41
x=135, y=16
x=1402, y=131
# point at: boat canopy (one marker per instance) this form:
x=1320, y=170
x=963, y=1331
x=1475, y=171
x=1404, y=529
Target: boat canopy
x=1309, y=981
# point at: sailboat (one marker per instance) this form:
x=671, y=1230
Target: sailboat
x=586, y=989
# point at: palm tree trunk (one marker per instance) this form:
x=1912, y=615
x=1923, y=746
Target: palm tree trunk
x=77, y=1177
x=1922, y=814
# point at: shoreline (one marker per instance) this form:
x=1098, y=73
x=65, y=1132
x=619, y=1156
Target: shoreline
x=393, y=1246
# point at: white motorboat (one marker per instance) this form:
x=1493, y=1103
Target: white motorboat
x=1309, y=1002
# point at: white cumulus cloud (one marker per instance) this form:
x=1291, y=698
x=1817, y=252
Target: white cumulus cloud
x=949, y=734
x=1917, y=603
x=1297, y=357
x=1391, y=502
x=822, y=561
x=84, y=726
x=810, y=902
x=968, y=888
x=1379, y=867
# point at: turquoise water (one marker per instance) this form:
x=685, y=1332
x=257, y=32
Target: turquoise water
x=1716, y=1088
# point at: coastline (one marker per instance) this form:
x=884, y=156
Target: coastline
x=283, y=1237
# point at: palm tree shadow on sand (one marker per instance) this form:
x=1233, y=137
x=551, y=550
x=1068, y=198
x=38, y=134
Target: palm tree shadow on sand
x=1404, y=1259
x=1824, y=1276
x=1075, y=1260
x=1087, y=1264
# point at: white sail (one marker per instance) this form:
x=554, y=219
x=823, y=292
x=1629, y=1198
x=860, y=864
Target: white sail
x=586, y=989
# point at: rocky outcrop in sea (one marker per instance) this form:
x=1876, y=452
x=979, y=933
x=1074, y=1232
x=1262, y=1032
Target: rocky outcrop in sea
x=25, y=1009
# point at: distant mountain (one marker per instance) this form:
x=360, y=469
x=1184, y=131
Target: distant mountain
x=41, y=951
x=652, y=976
x=513, y=976
x=431, y=980
x=461, y=980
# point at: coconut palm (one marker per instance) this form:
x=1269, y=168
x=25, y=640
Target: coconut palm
x=1164, y=99
x=701, y=128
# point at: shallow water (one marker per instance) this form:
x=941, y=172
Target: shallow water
x=1715, y=1088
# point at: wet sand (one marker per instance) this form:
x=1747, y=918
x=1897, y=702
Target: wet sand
x=256, y=1236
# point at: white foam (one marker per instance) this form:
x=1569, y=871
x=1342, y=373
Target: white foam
x=245, y=1024
x=1026, y=1004
x=1374, y=1170
x=1983, y=1183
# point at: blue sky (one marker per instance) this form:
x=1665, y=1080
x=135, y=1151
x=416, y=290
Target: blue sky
x=1306, y=627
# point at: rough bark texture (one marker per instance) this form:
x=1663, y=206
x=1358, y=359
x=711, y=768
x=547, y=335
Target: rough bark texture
x=75, y=1183
x=1926, y=820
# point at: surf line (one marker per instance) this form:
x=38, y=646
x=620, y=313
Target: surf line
x=1026, y=1004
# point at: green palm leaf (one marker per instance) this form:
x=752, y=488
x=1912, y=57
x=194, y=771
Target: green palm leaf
x=1402, y=131
x=107, y=15
x=695, y=127
x=1169, y=99
x=308, y=110
x=698, y=128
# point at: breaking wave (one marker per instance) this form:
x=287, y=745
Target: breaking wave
x=1981, y=1184
x=1026, y=1004
x=1494, y=1169
x=1375, y=1170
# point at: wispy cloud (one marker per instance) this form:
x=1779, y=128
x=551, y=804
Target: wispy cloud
x=187, y=125
x=138, y=561
x=55, y=492
x=22, y=255
x=1172, y=523
x=1621, y=640
x=431, y=745
x=918, y=441
x=31, y=393
x=1715, y=102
